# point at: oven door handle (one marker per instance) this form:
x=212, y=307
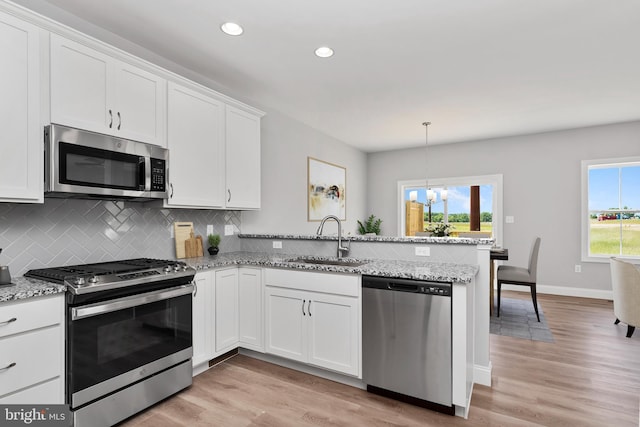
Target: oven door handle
x=78, y=313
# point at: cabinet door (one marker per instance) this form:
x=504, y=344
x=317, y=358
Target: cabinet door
x=242, y=159
x=202, y=318
x=80, y=82
x=21, y=164
x=226, y=312
x=139, y=105
x=285, y=323
x=334, y=336
x=250, y=308
x=195, y=138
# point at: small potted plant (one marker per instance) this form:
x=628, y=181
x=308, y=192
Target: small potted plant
x=214, y=241
x=371, y=226
x=440, y=229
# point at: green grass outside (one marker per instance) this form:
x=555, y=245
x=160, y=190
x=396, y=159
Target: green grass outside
x=465, y=226
x=605, y=237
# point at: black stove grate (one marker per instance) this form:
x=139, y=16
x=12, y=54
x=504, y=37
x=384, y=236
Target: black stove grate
x=60, y=274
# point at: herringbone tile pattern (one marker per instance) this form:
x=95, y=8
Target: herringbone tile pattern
x=67, y=231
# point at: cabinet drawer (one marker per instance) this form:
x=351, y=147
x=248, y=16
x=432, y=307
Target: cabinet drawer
x=330, y=283
x=47, y=393
x=30, y=314
x=37, y=356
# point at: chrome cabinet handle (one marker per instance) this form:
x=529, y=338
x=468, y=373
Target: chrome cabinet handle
x=9, y=366
x=195, y=288
x=171, y=196
x=303, y=301
x=6, y=322
x=110, y=119
x=309, y=308
x=229, y=199
x=119, y=120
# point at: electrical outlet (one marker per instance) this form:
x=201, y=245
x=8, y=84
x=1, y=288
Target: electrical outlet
x=578, y=268
x=423, y=251
x=209, y=229
x=509, y=219
x=228, y=230
x=277, y=245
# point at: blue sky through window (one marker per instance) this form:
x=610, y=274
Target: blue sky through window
x=605, y=191
x=458, y=198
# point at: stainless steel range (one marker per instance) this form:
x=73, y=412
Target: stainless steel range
x=129, y=336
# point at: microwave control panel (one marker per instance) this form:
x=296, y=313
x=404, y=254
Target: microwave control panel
x=158, y=175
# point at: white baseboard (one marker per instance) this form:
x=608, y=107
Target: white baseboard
x=482, y=374
x=564, y=291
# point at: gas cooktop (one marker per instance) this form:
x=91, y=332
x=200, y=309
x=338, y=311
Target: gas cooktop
x=96, y=277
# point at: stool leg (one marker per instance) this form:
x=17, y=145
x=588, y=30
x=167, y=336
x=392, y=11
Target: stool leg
x=617, y=321
x=630, y=330
x=499, y=289
x=535, y=300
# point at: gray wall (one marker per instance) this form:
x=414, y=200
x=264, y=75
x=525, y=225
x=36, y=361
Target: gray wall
x=285, y=147
x=542, y=190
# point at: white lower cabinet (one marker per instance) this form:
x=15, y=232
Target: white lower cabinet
x=226, y=310
x=203, y=303
x=311, y=325
x=30, y=329
x=250, y=303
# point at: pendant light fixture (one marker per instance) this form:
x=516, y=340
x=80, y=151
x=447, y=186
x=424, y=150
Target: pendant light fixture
x=432, y=196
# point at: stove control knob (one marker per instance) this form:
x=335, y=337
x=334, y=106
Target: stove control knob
x=176, y=268
x=93, y=279
x=79, y=281
x=185, y=267
x=167, y=269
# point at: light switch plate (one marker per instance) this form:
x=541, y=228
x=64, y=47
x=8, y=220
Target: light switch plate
x=423, y=251
x=277, y=245
x=228, y=230
x=509, y=219
x=209, y=229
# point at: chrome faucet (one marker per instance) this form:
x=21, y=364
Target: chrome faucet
x=341, y=249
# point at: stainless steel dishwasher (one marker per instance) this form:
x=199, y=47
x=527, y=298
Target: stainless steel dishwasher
x=406, y=340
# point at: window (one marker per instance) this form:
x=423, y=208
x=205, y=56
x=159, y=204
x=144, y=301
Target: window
x=611, y=209
x=456, y=208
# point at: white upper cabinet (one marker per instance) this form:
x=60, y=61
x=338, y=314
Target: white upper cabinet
x=21, y=161
x=94, y=91
x=214, y=151
x=242, y=159
x=195, y=138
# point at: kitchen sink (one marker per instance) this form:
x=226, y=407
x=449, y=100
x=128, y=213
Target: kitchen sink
x=337, y=262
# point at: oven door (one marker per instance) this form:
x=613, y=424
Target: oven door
x=115, y=343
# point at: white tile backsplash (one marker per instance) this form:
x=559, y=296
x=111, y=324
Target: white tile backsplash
x=74, y=231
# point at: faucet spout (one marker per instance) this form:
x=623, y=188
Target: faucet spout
x=341, y=249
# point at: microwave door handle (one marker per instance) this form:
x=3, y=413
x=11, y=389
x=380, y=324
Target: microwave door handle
x=143, y=174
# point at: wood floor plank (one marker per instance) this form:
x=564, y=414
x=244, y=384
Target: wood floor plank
x=589, y=376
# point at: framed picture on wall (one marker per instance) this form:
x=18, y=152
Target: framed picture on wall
x=326, y=188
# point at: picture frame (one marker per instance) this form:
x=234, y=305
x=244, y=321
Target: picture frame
x=326, y=190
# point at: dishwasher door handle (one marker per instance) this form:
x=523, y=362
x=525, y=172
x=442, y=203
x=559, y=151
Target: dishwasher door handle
x=403, y=287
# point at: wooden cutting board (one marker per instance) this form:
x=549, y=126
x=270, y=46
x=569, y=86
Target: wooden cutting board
x=182, y=231
x=191, y=246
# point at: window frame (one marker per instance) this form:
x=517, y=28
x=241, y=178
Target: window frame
x=493, y=180
x=584, y=210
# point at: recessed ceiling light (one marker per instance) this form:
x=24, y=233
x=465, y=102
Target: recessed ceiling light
x=324, y=52
x=231, y=28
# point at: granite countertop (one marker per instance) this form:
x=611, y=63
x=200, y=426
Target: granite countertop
x=435, y=271
x=26, y=287
x=388, y=239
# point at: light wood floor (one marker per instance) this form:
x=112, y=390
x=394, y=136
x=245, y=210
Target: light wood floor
x=590, y=376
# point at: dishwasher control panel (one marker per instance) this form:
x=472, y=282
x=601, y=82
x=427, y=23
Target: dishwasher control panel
x=436, y=290
x=407, y=285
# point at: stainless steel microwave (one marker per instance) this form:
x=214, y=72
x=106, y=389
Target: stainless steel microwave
x=80, y=163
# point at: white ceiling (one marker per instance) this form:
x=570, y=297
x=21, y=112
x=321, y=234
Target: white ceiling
x=475, y=68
